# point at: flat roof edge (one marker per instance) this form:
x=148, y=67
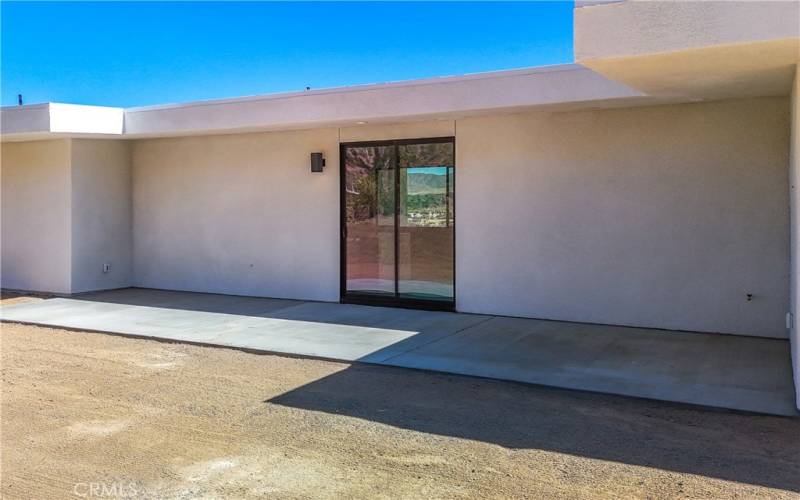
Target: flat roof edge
x=27, y=119
x=366, y=87
x=429, y=98
x=59, y=118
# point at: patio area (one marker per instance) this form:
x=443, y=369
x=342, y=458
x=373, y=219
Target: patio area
x=742, y=373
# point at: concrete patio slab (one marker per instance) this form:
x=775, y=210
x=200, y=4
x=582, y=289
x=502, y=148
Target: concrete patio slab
x=335, y=331
x=743, y=373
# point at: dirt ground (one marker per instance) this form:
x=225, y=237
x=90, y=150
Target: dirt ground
x=88, y=415
x=9, y=298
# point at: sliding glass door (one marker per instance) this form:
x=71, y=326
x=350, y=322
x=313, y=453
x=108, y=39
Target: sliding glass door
x=398, y=222
x=370, y=220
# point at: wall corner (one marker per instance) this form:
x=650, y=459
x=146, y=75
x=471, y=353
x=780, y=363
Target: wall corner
x=794, y=229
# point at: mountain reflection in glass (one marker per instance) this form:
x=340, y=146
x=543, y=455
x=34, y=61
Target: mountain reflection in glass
x=400, y=217
x=426, y=229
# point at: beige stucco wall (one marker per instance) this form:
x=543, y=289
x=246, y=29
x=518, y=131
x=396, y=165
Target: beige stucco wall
x=664, y=216
x=703, y=50
x=794, y=174
x=101, y=214
x=660, y=217
x=387, y=132
x=239, y=214
x=647, y=27
x=35, y=183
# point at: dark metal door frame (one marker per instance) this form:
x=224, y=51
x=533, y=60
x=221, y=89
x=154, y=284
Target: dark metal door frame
x=376, y=300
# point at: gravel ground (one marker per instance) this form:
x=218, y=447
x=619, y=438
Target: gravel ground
x=90, y=414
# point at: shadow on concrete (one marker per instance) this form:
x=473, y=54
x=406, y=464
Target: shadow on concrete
x=289, y=309
x=726, y=371
x=188, y=301
x=725, y=445
x=732, y=446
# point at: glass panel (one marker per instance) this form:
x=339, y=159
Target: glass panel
x=369, y=193
x=426, y=221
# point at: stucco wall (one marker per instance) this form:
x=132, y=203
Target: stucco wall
x=413, y=130
x=660, y=217
x=794, y=175
x=665, y=216
x=35, y=183
x=709, y=50
x=101, y=214
x=634, y=27
x=239, y=214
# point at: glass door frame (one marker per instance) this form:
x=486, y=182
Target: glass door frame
x=396, y=300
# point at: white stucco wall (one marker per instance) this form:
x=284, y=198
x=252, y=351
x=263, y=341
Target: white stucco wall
x=794, y=175
x=239, y=214
x=101, y=214
x=659, y=217
x=35, y=246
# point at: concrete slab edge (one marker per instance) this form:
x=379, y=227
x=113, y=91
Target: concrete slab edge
x=250, y=350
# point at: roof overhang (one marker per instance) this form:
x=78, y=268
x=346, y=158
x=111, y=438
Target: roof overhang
x=436, y=98
x=568, y=86
x=630, y=53
x=49, y=120
x=695, y=50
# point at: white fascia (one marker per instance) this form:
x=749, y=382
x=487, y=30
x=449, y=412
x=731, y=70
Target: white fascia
x=78, y=119
x=48, y=120
x=446, y=97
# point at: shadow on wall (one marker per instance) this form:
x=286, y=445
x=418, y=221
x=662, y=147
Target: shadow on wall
x=720, y=444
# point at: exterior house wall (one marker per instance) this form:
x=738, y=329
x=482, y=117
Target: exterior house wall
x=239, y=214
x=66, y=210
x=661, y=217
x=101, y=214
x=794, y=174
x=631, y=28
x=36, y=197
x=243, y=214
x=414, y=130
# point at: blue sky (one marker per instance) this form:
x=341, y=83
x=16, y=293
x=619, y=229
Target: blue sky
x=129, y=54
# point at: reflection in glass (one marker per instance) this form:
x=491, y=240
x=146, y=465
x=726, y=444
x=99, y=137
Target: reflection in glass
x=426, y=222
x=370, y=205
x=400, y=220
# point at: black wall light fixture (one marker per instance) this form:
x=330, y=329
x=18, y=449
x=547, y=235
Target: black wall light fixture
x=317, y=162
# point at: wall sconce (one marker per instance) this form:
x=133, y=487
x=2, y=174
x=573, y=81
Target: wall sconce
x=317, y=162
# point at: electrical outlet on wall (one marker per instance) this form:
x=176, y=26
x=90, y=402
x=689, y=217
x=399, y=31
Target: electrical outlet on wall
x=106, y=267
